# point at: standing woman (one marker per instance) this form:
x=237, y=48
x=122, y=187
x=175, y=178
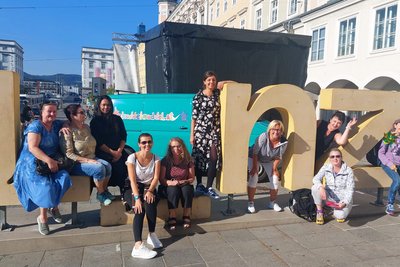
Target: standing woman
x=110, y=134
x=337, y=190
x=268, y=151
x=144, y=170
x=389, y=155
x=177, y=173
x=35, y=190
x=205, y=134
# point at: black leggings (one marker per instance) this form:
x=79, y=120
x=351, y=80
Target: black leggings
x=184, y=193
x=150, y=210
x=212, y=168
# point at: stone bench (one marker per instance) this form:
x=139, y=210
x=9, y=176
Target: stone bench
x=115, y=213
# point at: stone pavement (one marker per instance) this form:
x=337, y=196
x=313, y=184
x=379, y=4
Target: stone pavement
x=267, y=238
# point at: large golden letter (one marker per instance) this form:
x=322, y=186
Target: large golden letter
x=9, y=134
x=239, y=113
x=383, y=111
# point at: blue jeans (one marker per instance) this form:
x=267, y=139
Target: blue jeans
x=395, y=184
x=98, y=171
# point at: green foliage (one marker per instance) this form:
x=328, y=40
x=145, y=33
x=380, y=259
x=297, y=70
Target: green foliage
x=389, y=138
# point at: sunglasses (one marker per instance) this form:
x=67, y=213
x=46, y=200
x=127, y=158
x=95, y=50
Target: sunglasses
x=335, y=156
x=146, y=142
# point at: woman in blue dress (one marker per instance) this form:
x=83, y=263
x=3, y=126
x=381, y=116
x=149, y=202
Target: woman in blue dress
x=34, y=190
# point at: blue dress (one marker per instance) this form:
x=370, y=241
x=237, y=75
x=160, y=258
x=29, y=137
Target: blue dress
x=35, y=190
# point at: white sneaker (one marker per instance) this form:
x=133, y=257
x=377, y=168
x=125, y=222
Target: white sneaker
x=143, y=252
x=250, y=207
x=274, y=206
x=153, y=240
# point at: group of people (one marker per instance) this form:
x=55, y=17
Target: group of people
x=98, y=151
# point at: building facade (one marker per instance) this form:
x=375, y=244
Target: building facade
x=97, y=62
x=41, y=87
x=12, y=57
x=355, y=43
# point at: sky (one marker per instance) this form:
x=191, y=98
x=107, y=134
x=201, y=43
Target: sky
x=53, y=32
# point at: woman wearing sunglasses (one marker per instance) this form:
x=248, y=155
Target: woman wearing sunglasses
x=143, y=172
x=80, y=146
x=336, y=190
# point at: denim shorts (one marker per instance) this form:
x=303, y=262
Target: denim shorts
x=98, y=171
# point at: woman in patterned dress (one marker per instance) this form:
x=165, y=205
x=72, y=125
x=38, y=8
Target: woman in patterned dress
x=205, y=134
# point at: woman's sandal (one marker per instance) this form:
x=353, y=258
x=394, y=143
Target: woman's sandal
x=320, y=217
x=171, y=223
x=187, y=223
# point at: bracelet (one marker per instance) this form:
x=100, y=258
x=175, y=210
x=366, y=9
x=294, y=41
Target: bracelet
x=135, y=197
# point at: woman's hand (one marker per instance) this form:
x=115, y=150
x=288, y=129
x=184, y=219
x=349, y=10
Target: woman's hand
x=192, y=140
x=53, y=166
x=149, y=197
x=351, y=123
x=65, y=131
x=253, y=171
x=393, y=168
x=341, y=205
x=116, y=154
x=137, y=209
x=172, y=182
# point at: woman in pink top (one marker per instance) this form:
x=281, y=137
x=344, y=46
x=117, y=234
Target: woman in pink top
x=177, y=173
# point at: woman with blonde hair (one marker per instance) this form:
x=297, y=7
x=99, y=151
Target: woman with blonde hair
x=268, y=151
x=177, y=173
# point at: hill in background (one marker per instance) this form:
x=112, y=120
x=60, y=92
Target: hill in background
x=65, y=79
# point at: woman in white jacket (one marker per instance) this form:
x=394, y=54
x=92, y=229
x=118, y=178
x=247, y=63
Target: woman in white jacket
x=337, y=190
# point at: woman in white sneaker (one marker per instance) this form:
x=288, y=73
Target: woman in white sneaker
x=337, y=190
x=267, y=150
x=144, y=171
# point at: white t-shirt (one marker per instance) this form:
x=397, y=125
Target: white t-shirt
x=144, y=174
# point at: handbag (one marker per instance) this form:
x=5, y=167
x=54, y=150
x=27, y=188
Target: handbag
x=63, y=163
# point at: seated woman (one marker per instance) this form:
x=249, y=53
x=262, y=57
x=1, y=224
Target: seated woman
x=35, y=190
x=267, y=150
x=337, y=189
x=177, y=173
x=80, y=146
x=143, y=172
x=389, y=155
x=328, y=133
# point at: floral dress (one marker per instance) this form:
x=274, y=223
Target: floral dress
x=207, y=129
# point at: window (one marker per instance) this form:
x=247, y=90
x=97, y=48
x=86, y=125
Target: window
x=91, y=63
x=211, y=14
x=217, y=11
x=225, y=5
x=90, y=74
x=258, y=19
x=103, y=65
x=90, y=55
x=6, y=58
x=103, y=56
x=233, y=2
x=318, y=44
x=274, y=11
x=385, y=27
x=242, y=23
x=292, y=7
x=347, y=34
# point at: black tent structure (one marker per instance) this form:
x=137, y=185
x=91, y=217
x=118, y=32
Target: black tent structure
x=178, y=54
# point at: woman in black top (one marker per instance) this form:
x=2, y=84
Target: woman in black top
x=110, y=134
x=327, y=132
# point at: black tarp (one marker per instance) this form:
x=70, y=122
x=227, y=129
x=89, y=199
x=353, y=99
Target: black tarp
x=178, y=54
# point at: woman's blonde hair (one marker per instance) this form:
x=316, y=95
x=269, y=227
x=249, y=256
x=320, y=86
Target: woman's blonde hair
x=273, y=123
x=185, y=154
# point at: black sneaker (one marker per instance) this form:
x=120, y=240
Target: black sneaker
x=201, y=190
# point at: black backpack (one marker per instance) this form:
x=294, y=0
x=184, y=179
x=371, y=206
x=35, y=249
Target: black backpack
x=302, y=204
x=372, y=155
